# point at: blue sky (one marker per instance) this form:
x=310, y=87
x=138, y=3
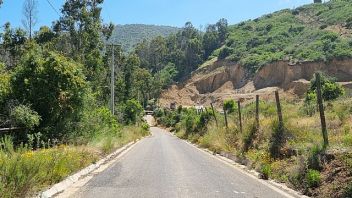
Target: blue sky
x=158, y=12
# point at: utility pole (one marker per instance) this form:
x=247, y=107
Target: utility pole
x=113, y=81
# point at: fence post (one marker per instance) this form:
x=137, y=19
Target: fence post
x=239, y=114
x=225, y=115
x=321, y=110
x=279, y=111
x=212, y=108
x=257, y=112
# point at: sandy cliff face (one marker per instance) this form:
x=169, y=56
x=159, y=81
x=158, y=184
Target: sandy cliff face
x=281, y=74
x=223, y=80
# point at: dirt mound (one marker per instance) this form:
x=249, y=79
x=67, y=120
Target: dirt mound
x=219, y=80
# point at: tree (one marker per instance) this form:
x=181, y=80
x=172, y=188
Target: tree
x=317, y=1
x=81, y=20
x=210, y=40
x=53, y=85
x=44, y=35
x=0, y=3
x=30, y=15
x=143, y=85
x=13, y=42
x=223, y=30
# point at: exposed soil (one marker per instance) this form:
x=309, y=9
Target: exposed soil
x=220, y=80
x=336, y=177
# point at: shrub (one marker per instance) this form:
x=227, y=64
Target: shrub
x=313, y=178
x=132, y=111
x=277, y=139
x=265, y=171
x=348, y=190
x=225, y=52
x=330, y=89
x=54, y=86
x=314, y=161
x=229, y=106
x=4, y=84
x=349, y=23
x=249, y=136
x=24, y=116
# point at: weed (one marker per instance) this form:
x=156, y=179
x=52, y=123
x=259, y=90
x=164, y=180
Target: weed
x=265, y=171
x=277, y=139
x=313, y=178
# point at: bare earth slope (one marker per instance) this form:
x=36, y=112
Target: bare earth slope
x=222, y=80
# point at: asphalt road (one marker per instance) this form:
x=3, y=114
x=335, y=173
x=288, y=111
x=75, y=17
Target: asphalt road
x=166, y=167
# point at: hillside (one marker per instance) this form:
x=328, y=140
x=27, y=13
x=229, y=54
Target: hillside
x=129, y=35
x=282, y=49
x=315, y=32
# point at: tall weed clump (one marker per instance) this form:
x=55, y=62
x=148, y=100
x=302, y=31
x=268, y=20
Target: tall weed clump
x=277, y=139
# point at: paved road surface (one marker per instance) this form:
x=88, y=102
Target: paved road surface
x=166, y=167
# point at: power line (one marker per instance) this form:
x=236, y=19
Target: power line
x=51, y=5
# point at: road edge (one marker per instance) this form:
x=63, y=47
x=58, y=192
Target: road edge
x=279, y=187
x=73, y=179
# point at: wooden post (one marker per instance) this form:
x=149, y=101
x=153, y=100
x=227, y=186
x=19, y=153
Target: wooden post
x=212, y=108
x=257, y=112
x=225, y=115
x=279, y=111
x=239, y=114
x=321, y=110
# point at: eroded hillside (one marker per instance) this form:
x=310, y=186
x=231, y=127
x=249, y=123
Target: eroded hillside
x=279, y=50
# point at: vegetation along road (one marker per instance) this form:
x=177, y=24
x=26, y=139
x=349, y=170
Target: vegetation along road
x=164, y=166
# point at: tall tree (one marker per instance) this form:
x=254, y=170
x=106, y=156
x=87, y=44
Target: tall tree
x=210, y=40
x=223, y=30
x=81, y=20
x=13, y=42
x=30, y=11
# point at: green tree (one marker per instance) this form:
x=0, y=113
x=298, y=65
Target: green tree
x=4, y=85
x=143, y=85
x=223, y=30
x=81, y=20
x=53, y=85
x=210, y=40
x=132, y=111
x=13, y=43
x=44, y=35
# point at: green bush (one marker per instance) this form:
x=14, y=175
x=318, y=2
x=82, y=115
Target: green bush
x=314, y=161
x=249, y=136
x=229, y=106
x=329, y=88
x=54, y=86
x=132, y=111
x=348, y=191
x=24, y=116
x=4, y=84
x=265, y=171
x=225, y=52
x=277, y=139
x=313, y=178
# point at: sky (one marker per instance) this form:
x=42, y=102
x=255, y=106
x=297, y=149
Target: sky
x=157, y=12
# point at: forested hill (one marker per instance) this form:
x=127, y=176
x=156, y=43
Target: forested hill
x=129, y=35
x=313, y=32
